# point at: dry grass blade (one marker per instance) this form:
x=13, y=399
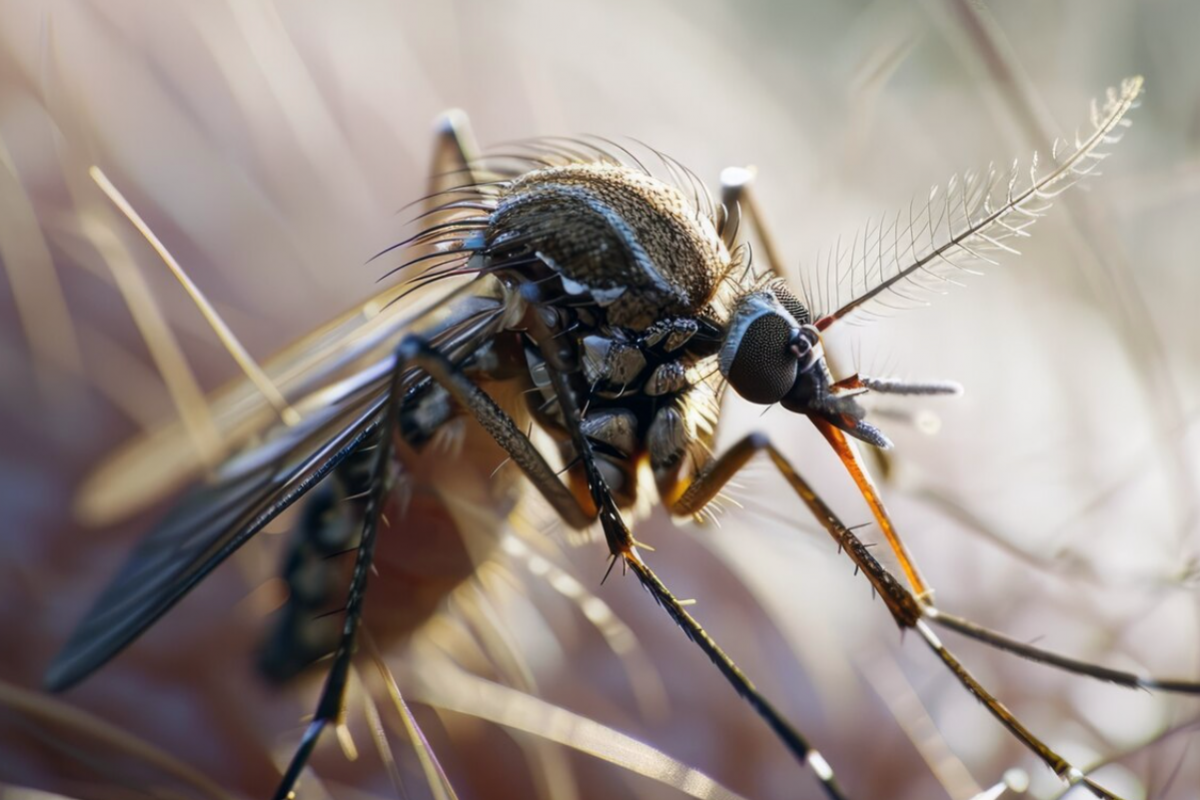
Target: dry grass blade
x=451, y=689
x=53, y=714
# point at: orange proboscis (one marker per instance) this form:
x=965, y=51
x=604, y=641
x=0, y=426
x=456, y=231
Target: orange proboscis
x=853, y=462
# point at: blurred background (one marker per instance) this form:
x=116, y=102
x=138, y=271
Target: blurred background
x=270, y=145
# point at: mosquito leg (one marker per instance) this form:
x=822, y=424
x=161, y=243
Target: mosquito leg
x=621, y=541
x=1071, y=774
x=905, y=609
x=329, y=706
x=851, y=459
x=623, y=546
x=1041, y=656
x=689, y=498
x=417, y=352
x=737, y=197
x=454, y=150
x=862, y=479
x=792, y=738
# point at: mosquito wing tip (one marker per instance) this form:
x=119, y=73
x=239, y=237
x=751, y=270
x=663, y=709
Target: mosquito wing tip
x=62, y=674
x=74, y=662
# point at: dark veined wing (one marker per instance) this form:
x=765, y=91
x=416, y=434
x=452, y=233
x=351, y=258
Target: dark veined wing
x=205, y=528
x=214, y=519
x=164, y=461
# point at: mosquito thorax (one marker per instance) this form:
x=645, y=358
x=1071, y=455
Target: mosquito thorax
x=624, y=286
x=636, y=245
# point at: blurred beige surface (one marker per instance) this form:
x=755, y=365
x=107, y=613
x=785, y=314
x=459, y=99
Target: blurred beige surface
x=270, y=145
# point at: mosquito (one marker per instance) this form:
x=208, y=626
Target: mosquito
x=611, y=306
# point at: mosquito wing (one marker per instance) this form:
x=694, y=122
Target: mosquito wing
x=207, y=526
x=216, y=517
x=163, y=461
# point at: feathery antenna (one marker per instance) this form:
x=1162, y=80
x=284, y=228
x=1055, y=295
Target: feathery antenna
x=966, y=223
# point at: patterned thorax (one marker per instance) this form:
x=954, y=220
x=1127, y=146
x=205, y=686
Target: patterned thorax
x=633, y=243
x=631, y=284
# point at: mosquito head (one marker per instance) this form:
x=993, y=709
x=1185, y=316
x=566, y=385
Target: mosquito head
x=770, y=343
x=772, y=353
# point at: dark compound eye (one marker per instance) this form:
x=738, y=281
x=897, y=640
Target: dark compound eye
x=757, y=356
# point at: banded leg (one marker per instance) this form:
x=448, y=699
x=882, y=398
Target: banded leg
x=907, y=611
x=500, y=426
x=329, y=525
x=741, y=206
x=329, y=706
x=453, y=150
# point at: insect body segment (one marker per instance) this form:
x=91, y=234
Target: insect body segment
x=330, y=525
x=625, y=238
x=625, y=285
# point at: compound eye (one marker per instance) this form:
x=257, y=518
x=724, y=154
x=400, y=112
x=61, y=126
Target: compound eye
x=758, y=357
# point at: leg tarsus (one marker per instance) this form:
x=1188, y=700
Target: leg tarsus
x=311, y=735
x=1040, y=656
x=329, y=707
x=737, y=196
x=454, y=150
x=622, y=545
x=906, y=609
x=500, y=426
x=792, y=738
